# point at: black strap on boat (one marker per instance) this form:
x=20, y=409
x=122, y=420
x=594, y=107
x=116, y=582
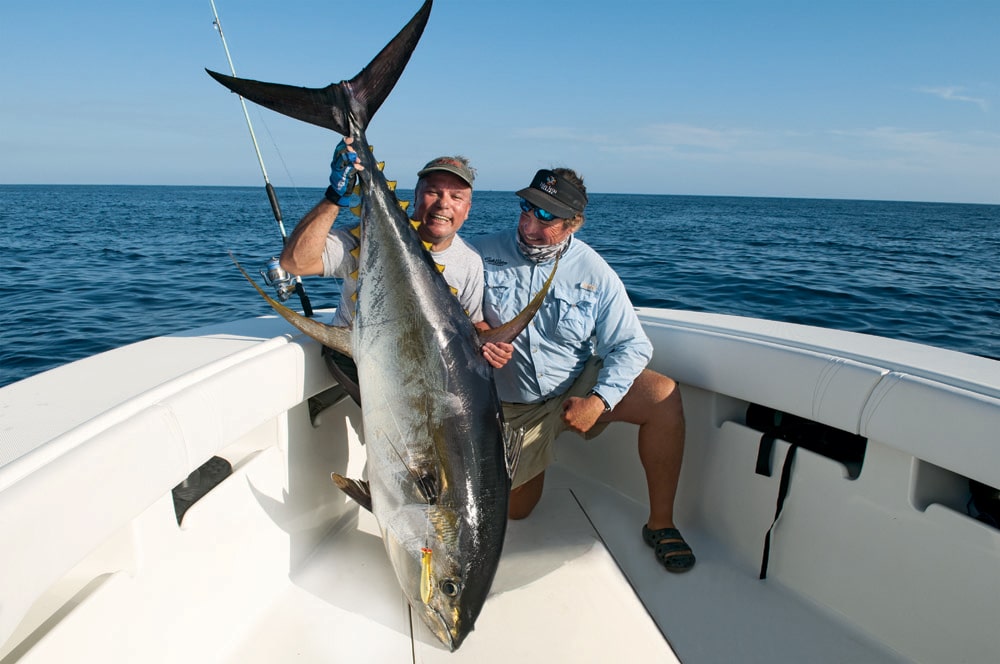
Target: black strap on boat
x=764, y=452
x=783, y=483
x=841, y=446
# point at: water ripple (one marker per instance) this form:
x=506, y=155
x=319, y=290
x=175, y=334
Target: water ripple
x=99, y=267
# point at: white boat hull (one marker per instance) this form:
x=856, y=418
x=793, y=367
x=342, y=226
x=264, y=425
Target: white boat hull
x=275, y=563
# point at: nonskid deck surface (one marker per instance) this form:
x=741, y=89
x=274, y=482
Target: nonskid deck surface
x=719, y=612
x=576, y=583
x=558, y=596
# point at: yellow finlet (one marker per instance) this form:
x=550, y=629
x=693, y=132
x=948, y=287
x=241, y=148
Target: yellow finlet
x=380, y=165
x=414, y=223
x=356, y=232
x=454, y=291
x=404, y=204
x=438, y=266
x=356, y=252
x=356, y=209
x=354, y=275
x=391, y=184
x=427, y=245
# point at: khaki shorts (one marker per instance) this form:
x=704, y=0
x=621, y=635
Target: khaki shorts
x=542, y=424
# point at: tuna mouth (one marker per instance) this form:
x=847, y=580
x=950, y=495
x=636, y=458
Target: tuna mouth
x=444, y=633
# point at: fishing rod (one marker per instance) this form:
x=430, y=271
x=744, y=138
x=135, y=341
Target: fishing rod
x=284, y=283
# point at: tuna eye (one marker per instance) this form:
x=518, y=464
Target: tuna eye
x=449, y=588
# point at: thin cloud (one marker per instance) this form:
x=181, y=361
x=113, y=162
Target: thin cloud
x=953, y=94
x=891, y=148
x=693, y=137
x=932, y=144
x=564, y=134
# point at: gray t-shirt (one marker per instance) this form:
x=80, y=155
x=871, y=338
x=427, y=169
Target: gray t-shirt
x=463, y=272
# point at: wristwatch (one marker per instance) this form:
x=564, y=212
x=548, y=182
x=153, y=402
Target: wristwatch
x=607, y=406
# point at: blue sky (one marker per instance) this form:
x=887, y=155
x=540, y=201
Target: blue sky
x=894, y=100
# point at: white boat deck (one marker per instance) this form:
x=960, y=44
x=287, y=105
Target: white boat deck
x=563, y=593
x=558, y=596
x=275, y=564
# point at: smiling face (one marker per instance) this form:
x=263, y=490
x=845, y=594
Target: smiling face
x=443, y=202
x=538, y=233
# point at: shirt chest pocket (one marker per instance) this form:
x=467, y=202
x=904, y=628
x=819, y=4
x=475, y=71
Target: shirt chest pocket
x=499, y=294
x=575, y=314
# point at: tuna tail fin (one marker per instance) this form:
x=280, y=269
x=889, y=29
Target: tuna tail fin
x=332, y=106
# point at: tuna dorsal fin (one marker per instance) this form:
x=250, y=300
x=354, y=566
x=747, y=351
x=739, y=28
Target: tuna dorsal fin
x=357, y=490
x=509, y=330
x=338, y=338
x=331, y=107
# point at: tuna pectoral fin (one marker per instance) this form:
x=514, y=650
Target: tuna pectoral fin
x=330, y=107
x=357, y=490
x=337, y=338
x=508, y=331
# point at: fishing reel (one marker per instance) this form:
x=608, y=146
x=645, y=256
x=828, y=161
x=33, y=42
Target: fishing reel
x=282, y=282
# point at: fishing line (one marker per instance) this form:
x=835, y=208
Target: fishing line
x=297, y=194
x=275, y=276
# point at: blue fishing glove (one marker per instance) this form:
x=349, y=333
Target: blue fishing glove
x=342, y=175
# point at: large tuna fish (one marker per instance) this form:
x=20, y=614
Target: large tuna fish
x=439, y=454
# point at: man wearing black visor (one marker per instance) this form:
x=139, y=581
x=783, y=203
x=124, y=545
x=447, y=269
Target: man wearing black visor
x=581, y=364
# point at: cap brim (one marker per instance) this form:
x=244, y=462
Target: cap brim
x=447, y=169
x=547, y=203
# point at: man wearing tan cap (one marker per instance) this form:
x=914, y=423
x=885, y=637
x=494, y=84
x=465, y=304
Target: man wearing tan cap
x=442, y=201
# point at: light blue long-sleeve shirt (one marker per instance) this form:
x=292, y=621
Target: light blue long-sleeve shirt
x=587, y=311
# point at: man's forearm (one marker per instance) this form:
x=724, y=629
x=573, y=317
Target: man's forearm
x=303, y=253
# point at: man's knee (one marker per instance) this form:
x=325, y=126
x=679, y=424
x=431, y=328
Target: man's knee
x=651, y=397
x=524, y=498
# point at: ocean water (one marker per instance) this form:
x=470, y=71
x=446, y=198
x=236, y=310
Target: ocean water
x=90, y=268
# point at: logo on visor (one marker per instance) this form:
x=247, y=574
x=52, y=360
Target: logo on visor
x=549, y=185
